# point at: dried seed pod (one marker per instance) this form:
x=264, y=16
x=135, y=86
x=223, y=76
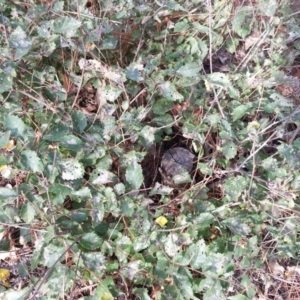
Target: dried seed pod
x=176, y=162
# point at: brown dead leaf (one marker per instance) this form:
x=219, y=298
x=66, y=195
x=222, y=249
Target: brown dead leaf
x=275, y=268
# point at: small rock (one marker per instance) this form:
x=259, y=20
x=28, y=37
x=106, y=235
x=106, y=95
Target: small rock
x=175, y=161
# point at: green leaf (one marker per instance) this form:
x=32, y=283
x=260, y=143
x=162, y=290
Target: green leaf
x=108, y=43
x=205, y=169
x=71, y=142
x=83, y=193
x=31, y=161
x=204, y=219
x=281, y=100
x=102, y=176
x=119, y=188
x=6, y=193
x=51, y=255
x=163, y=120
x=240, y=111
x=162, y=106
x=172, y=244
x=132, y=269
x=57, y=132
x=142, y=293
x=234, y=186
x=28, y=212
x=90, y=241
x=6, y=82
x=106, y=296
x=181, y=26
x=182, y=178
x=141, y=243
x=183, y=282
x=237, y=225
x=16, y=295
x=79, y=121
x=242, y=23
x=133, y=72
x=147, y=136
x=191, y=69
x=66, y=25
x=4, y=139
x=72, y=170
x=249, y=287
x=218, y=79
x=238, y=297
x=94, y=261
x=16, y=126
x=169, y=92
x=232, y=44
x=152, y=63
x=289, y=153
x=19, y=41
x=134, y=175
x=111, y=93
x=268, y=7
x=197, y=254
x=269, y=164
x=229, y=150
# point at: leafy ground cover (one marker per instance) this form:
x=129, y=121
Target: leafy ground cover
x=93, y=94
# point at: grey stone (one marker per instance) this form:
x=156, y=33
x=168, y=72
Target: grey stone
x=175, y=161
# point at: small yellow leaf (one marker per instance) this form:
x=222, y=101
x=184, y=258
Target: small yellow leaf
x=90, y=46
x=3, y=167
x=10, y=145
x=161, y=221
x=207, y=85
x=4, y=276
x=107, y=296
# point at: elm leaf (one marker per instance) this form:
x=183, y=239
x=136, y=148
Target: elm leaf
x=16, y=126
x=169, y=92
x=71, y=142
x=79, y=121
x=191, y=69
x=19, y=41
x=134, y=175
x=240, y=111
x=6, y=193
x=6, y=82
x=229, y=150
x=72, y=170
x=91, y=241
x=66, y=24
x=31, y=161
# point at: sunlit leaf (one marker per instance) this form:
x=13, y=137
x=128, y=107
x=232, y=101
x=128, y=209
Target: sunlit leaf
x=234, y=186
x=79, y=120
x=134, y=72
x=28, y=212
x=16, y=126
x=72, y=170
x=6, y=82
x=134, y=175
x=94, y=261
x=229, y=150
x=242, y=22
x=90, y=241
x=169, y=92
x=161, y=221
x=240, y=111
x=20, y=42
x=189, y=70
x=65, y=24
x=31, y=161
